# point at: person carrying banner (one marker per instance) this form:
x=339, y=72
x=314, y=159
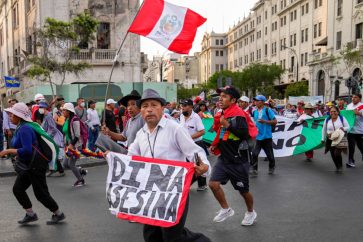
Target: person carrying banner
x=73, y=142
x=334, y=129
x=30, y=171
x=355, y=136
x=192, y=122
x=162, y=138
x=265, y=120
x=133, y=125
x=234, y=129
x=308, y=114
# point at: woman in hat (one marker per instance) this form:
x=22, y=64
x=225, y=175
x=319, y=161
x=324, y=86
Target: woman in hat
x=73, y=142
x=334, y=128
x=30, y=172
x=203, y=111
x=308, y=114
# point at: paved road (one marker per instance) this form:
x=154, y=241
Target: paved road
x=301, y=202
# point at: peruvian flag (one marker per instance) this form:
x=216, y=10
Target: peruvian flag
x=172, y=26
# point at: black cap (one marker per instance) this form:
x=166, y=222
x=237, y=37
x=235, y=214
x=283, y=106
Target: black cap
x=187, y=102
x=229, y=90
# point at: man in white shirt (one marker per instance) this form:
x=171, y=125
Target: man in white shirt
x=355, y=135
x=163, y=138
x=193, y=123
x=244, y=104
x=93, y=122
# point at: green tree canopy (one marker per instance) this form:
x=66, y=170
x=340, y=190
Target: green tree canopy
x=297, y=89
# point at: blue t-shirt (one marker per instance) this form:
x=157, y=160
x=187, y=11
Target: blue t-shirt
x=264, y=130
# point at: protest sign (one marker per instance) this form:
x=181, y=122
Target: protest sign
x=307, y=99
x=148, y=191
x=291, y=137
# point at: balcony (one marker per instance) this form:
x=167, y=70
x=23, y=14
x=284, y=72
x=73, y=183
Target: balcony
x=97, y=57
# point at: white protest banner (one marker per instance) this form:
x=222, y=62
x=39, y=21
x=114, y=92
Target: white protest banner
x=307, y=99
x=148, y=191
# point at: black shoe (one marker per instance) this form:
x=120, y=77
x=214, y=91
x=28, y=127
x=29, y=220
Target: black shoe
x=83, y=172
x=56, y=219
x=79, y=183
x=28, y=219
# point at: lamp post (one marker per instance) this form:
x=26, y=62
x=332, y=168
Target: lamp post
x=297, y=60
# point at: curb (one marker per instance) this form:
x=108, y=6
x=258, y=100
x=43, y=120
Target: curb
x=88, y=164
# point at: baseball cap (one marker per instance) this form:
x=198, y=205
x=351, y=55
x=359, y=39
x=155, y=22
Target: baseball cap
x=110, y=101
x=38, y=97
x=43, y=105
x=260, y=98
x=245, y=99
x=187, y=102
x=230, y=91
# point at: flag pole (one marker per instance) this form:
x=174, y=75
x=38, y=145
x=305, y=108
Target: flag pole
x=115, y=62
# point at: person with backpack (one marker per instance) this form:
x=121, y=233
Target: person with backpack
x=234, y=128
x=74, y=134
x=333, y=134
x=29, y=166
x=265, y=121
x=81, y=110
x=50, y=127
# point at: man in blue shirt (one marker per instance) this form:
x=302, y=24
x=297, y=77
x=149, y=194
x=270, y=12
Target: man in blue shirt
x=265, y=120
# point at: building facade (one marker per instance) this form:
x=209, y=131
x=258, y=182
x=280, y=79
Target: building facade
x=19, y=20
x=328, y=69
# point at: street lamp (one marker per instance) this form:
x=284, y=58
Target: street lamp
x=297, y=60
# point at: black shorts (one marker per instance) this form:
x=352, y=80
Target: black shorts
x=236, y=172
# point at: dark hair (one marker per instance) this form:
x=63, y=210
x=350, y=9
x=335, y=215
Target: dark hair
x=80, y=98
x=336, y=108
x=358, y=95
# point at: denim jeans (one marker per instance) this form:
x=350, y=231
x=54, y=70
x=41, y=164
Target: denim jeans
x=92, y=137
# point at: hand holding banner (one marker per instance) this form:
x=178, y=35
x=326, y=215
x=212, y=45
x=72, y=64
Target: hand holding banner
x=148, y=191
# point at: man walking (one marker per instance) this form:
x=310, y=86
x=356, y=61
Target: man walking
x=162, y=138
x=109, y=119
x=264, y=119
x=233, y=163
x=81, y=110
x=193, y=124
x=134, y=124
x=93, y=122
x=355, y=135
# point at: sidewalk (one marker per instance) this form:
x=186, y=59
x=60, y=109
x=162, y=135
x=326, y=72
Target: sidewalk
x=7, y=169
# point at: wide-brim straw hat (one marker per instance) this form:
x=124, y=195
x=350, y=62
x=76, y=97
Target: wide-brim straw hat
x=69, y=107
x=337, y=136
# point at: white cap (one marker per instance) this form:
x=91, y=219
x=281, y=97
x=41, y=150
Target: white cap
x=20, y=110
x=244, y=99
x=110, y=101
x=69, y=107
x=38, y=97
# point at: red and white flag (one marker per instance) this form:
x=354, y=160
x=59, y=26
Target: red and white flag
x=172, y=26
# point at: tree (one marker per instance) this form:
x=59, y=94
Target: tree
x=60, y=42
x=297, y=89
x=185, y=93
x=212, y=81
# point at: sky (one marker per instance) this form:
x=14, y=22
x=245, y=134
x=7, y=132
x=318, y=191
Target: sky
x=220, y=14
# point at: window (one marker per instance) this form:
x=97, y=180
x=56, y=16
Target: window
x=295, y=14
x=302, y=36
x=302, y=60
x=339, y=40
x=319, y=32
x=1, y=37
x=240, y=44
x=235, y=47
x=266, y=14
x=320, y=3
x=294, y=39
x=266, y=50
x=221, y=53
x=217, y=67
x=358, y=30
x=217, y=41
x=302, y=10
x=316, y=4
x=291, y=16
x=29, y=44
x=306, y=34
x=266, y=30
x=15, y=16
x=221, y=42
x=221, y=67
x=339, y=8
x=103, y=36
x=235, y=63
x=306, y=58
x=217, y=52
x=315, y=31
x=359, y=1
x=292, y=63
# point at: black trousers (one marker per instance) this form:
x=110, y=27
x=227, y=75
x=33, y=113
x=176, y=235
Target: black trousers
x=37, y=179
x=336, y=155
x=354, y=139
x=177, y=233
x=266, y=145
x=202, y=181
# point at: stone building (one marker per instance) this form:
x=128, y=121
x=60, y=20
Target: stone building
x=19, y=20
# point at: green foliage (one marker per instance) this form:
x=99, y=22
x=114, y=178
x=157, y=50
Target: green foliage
x=185, y=93
x=351, y=56
x=212, y=81
x=297, y=89
x=59, y=42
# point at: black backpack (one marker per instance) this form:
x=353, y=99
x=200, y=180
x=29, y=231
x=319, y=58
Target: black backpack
x=273, y=126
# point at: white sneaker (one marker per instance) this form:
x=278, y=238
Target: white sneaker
x=249, y=219
x=223, y=214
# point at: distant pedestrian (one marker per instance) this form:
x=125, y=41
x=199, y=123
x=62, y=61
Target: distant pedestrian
x=58, y=116
x=175, y=115
x=80, y=109
x=50, y=127
x=30, y=170
x=94, y=125
x=264, y=119
x=308, y=114
x=110, y=121
x=73, y=141
x=8, y=126
x=355, y=135
x=334, y=130
x=36, y=116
